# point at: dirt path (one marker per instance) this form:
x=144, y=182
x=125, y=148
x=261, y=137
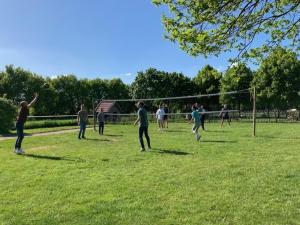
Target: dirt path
x=41, y=134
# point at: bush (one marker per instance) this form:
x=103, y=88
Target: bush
x=49, y=123
x=8, y=114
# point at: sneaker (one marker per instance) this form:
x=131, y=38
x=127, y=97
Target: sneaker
x=19, y=151
x=193, y=131
x=142, y=149
x=198, y=137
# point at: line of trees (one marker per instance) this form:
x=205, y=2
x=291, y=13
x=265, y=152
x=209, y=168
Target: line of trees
x=277, y=81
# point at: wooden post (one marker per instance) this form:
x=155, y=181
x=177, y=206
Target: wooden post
x=254, y=112
x=94, y=118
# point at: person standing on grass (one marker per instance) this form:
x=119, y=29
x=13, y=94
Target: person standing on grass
x=101, y=121
x=196, y=118
x=160, y=113
x=21, y=119
x=202, y=112
x=166, y=122
x=224, y=115
x=143, y=125
x=82, y=119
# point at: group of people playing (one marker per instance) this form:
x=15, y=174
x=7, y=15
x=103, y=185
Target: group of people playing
x=197, y=118
x=162, y=116
x=82, y=120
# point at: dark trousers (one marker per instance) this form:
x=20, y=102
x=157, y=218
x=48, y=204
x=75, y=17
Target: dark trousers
x=82, y=129
x=101, y=127
x=202, y=123
x=144, y=130
x=20, y=133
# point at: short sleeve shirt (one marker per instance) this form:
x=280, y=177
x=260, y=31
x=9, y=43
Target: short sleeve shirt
x=142, y=114
x=196, y=116
x=83, y=116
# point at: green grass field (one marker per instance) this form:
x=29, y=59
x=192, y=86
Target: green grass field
x=228, y=178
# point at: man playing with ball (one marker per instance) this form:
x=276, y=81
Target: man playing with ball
x=21, y=119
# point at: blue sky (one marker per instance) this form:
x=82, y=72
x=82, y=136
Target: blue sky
x=91, y=38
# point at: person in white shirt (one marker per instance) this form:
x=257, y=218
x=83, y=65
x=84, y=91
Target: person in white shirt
x=160, y=113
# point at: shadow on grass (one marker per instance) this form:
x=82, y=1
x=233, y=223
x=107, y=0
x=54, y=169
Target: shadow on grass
x=173, y=152
x=15, y=135
x=96, y=139
x=55, y=158
x=218, y=141
x=114, y=135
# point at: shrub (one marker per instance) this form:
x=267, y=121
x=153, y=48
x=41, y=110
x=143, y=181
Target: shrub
x=7, y=115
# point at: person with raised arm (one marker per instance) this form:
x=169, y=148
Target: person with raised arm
x=21, y=120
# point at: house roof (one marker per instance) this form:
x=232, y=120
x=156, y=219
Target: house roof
x=107, y=106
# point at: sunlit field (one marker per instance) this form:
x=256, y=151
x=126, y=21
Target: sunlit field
x=229, y=177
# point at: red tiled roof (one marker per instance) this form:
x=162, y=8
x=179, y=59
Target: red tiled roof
x=106, y=106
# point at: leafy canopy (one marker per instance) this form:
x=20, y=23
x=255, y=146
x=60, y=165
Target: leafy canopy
x=278, y=81
x=210, y=27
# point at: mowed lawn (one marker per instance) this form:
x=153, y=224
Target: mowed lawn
x=228, y=178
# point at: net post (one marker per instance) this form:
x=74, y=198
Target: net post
x=254, y=112
x=94, y=122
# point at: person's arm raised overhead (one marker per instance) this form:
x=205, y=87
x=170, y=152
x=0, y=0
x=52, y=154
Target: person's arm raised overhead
x=34, y=100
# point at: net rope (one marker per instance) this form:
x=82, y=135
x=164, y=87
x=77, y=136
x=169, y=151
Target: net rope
x=179, y=97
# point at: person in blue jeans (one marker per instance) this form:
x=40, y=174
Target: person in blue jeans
x=82, y=119
x=143, y=125
x=21, y=120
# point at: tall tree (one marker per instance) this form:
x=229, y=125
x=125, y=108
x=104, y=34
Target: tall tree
x=155, y=84
x=278, y=81
x=67, y=94
x=238, y=77
x=210, y=27
x=208, y=81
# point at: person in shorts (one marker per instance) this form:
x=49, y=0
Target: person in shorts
x=143, y=125
x=21, y=120
x=160, y=113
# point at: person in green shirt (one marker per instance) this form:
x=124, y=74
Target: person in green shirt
x=143, y=125
x=196, y=117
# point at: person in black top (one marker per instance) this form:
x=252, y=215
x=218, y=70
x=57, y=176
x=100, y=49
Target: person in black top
x=224, y=115
x=101, y=121
x=202, y=112
x=21, y=119
x=166, y=123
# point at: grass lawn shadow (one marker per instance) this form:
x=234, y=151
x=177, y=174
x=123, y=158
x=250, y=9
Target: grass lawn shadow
x=56, y=158
x=96, y=139
x=114, y=135
x=173, y=152
x=218, y=141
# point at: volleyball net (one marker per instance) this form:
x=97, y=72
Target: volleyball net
x=178, y=110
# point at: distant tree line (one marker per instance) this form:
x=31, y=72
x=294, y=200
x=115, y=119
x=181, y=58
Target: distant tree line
x=277, y=81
